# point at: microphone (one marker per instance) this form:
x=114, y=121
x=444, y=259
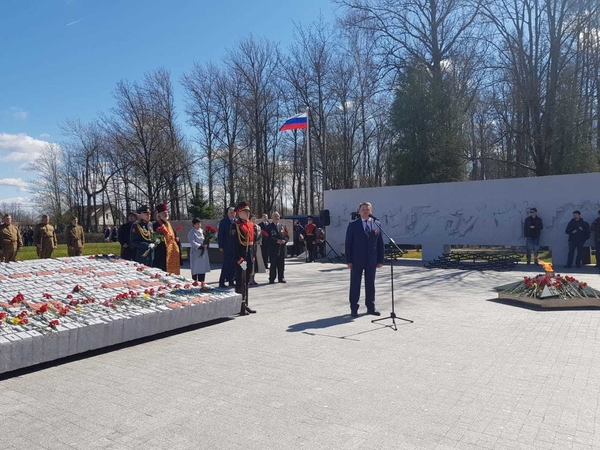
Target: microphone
x=373, y=217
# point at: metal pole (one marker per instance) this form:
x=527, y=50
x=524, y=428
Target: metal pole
x=308, y=174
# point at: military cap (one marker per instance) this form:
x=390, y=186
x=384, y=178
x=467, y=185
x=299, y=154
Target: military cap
x=242, y=206
x=144, y=209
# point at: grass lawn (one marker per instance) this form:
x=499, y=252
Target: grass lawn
x=89, y=249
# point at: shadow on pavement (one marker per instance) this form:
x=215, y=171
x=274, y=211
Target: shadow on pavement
x=320, y=323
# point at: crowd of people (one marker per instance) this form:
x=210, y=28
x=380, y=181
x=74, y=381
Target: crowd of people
x=248, y=247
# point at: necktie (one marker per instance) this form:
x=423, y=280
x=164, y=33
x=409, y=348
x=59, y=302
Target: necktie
x=367, y=228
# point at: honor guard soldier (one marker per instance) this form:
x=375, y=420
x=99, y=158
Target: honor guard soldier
x=11, y=240
x=75, y=238
x=141, y=237
x=311, y=239
x=242, y=241
x=44, y=238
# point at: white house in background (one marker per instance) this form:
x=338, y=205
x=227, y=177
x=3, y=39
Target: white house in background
x=101, y=215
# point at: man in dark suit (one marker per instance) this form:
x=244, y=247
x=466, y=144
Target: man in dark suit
x=127, y=252
x=579, y=232
x=364, y=253
x=224, y=240
x=279, y=237
x=264, y=244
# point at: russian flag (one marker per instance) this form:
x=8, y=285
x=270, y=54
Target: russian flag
x=297, y=122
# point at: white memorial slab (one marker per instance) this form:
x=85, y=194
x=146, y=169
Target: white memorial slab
x=50, y=309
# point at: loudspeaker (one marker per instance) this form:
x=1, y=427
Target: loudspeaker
x=324, y=218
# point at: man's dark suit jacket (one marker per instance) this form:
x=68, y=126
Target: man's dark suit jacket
x=363, y=250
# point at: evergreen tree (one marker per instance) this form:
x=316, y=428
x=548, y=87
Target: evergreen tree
x=199, y=206
x=427, y=123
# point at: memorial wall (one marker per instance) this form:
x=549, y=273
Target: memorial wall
x=471, y=213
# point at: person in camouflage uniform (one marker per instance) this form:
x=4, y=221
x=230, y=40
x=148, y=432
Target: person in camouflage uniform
x=44, y=237
x=11, y=238
x=75, y=238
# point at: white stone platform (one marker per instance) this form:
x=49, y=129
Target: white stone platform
x=73, y=305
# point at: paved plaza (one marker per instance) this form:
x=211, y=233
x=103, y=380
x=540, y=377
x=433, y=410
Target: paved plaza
x=469, y=373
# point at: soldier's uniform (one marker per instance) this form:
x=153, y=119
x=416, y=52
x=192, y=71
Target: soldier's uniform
x=242, y=242
x=45, y=236
x=11, y=242
x=141, y=238
x=75, y=240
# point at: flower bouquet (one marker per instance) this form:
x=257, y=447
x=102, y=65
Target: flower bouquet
x=209, y=235
x=546, y=286
x=157, y=237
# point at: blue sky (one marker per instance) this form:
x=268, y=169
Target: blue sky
x=62, y=58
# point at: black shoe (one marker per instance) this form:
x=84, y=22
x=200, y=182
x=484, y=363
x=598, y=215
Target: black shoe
x=232, y=284
x=282, y=281
x=271, y=282
x=249, y=310
x=373, y=312
x=354, y=313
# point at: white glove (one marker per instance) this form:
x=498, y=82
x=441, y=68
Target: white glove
x=157, y=241
x=243, y=265
x=151, y=246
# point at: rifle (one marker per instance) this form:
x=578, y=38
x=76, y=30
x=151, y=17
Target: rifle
x=244, y=292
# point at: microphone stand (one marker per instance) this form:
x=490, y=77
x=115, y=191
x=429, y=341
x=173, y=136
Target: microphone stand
x=392, y=315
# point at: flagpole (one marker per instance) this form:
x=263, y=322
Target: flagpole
x=308, y=177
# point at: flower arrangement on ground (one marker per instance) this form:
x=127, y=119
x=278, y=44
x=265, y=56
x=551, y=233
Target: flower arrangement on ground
x=549, y=285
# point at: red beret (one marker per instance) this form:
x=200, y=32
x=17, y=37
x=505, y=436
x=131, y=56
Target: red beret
x=162, y=208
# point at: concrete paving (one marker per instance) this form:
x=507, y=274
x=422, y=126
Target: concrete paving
x=469, y=373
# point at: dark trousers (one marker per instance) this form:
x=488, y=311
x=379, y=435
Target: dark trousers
x=572, y=247
x=277, y=256
x=264, y=249
x=227, y=271
x=355, y=279
x=312, y=249
x=242, y=287
x=128, y=253
x=199, y=277
x=597, y=253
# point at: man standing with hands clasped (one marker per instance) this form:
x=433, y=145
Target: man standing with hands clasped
x=532, y=229
x=364, y=253
x=579, y=232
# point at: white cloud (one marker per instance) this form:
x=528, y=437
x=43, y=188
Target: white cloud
x=44, y=135
x=23, y=201
x=18, y=113
x=14, y=182
x=20, y=147
x=21, y=115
